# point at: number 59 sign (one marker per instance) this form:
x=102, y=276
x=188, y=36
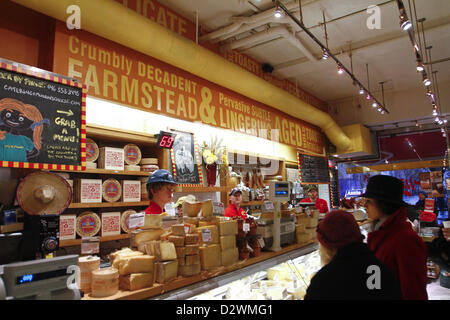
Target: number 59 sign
x=165, y=139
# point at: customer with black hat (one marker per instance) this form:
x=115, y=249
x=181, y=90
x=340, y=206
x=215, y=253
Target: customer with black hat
x=350, y=270
x=160, y=188
x=393, y=240
x=234, y=208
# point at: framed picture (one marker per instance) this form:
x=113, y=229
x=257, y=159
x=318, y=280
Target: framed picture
x=185, y=158
x=42, y=119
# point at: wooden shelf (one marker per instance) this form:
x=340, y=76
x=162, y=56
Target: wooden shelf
x=77, y=242
x=201, y=189
x=112, y=172
x=252, y=203
x=107, y=205
x=13, y=227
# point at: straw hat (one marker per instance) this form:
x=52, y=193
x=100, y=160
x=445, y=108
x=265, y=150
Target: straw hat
x=44, y=193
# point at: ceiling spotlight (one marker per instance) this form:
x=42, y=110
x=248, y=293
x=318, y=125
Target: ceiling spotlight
x=325, y=54
x=368, y=97
x=437, y=119
x=417, y=123
x=340, y=70
x=426, y=81
x=420, y=67
x=445, y=120
x=361, y=91
x=379, y=109
x=441, y=122
x=382, y=111
x=405, y=24
x=278, y=13
x=435, y=112
x=374, y=104
x=442, y=130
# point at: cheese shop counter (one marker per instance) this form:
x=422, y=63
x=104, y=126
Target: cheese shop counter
x=183, y=288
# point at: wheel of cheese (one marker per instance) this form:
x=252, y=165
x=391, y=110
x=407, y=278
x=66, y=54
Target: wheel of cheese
x=91, y=150
x=88, y=224
x=149, y=161
x=132, y=168
x=112, y=190
x=105, y=282
x=132, y=154
x=125, y=218
x=91, y=165
x=149, y=167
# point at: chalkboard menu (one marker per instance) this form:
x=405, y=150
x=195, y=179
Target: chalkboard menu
x=313, y=169
x=334, y=187
x=42, y=119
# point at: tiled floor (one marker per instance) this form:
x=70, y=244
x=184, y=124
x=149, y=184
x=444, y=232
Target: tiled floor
x=436, y=292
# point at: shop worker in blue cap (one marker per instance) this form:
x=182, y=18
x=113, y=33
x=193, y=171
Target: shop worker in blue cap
x=420, y=205
x=160, y=188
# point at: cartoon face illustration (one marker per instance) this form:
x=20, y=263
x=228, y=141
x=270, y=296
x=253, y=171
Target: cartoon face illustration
x=14, y=119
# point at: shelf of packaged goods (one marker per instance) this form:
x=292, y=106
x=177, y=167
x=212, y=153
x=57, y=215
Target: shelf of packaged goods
x=77, y=242
x=107, y=205
x=265, y=259
x=112, y=172
x=201, y=189
x=252, y=203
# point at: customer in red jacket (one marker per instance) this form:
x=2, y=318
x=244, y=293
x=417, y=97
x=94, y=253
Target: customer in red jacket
x=393, y=240
x=234, y=208
x=313, y=194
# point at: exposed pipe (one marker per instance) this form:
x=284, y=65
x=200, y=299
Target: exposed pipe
x=270, y=34
x=97, y=17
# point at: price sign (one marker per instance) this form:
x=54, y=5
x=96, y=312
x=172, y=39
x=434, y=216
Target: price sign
x=246, y=227
x=206, y=235
x=136, y=220
x=165, y=139
x=269, y=205
x=90, y=245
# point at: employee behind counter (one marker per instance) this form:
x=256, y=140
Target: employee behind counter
x=234, y=208
x=313, y=193
x=160, y=188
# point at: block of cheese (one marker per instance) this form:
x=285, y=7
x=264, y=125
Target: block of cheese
x=115, y=262
x=152, y=221
x=192, y=249
x=166, y=271
x=303, y=237
x=178, y=230
x=181, y=261
x=136, y=264
x=227, y=242
x=178, y=241
x=192, y=238
x=181, y=252
x=105, y=282
x=208, y=235
x=131, y=191
x=139, y=236
x=114, y=254
x=111, y=159
x=300, y=228
x=192, y=259
x=278, y=273
x=191, y=220
x=230, y=256
x=228, y=227
x=207, y=208
x=210, y=257
x=163, y=250
x=136, y=281
x=189, y=271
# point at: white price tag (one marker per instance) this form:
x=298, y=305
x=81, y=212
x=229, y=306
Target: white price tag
x=269, y=205
x=187, y=229
x=261, y=242
x=246, y=227
x=206, y=235
x=170, y=210
x=136, y=220
x=90, y=245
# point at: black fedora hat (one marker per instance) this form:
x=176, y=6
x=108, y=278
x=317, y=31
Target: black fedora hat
x=385, y=188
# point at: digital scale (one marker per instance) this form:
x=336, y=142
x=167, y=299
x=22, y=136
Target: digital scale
x=279, y=191
x=44, y=279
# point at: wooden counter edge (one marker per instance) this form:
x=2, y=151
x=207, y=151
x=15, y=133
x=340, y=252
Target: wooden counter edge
x=179, y=282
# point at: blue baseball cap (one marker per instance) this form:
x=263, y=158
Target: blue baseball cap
x=161, y=175
x=424, y=193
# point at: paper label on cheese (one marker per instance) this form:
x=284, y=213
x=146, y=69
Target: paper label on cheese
x=91, y=150
x=91, y=191
x=114, y=159
x=246, y=227
x=88, y=224
x=131, y=191
x=136, y=220
x=132, y=154
x=269, y=205
x=111, y=190
x=206, y=235
x=187, y=228
x=261, y=242
x=67, y=227
x=110, y=223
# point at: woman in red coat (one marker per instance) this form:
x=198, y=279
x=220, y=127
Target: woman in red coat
x=393, y=240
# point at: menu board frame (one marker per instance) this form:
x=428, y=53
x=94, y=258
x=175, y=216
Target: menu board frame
x=325, y=159
x=17, y=73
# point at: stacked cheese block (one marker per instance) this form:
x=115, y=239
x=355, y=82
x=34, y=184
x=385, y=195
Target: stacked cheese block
x=186, y=243
x=166, y=264
x=228, y=230
x=136, y=270
x=208, y=233
x=306, y=226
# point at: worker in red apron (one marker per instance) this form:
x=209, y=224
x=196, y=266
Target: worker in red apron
x=321, y=204
x=234, y=208
x=160, y=188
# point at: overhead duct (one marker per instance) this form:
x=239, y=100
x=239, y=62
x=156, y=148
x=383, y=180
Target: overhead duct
x=268, y=35
x=113, y=21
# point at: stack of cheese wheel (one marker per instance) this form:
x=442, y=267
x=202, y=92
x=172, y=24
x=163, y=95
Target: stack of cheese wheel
x=87, y=265
x=92, y=153
x=105, y=282
x=112, y=190
x=132, y=157
x=149, y=164
x=144, y=194
x=124, y=220
x=88, y=224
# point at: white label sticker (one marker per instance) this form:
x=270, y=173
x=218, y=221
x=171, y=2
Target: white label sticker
x=269, y=205
x=90, y=245
x=246, y=227
x=136, y=220
x=170, y=210
x=187, y=229
x=261, y=242
x=206, y=235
